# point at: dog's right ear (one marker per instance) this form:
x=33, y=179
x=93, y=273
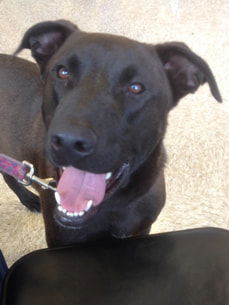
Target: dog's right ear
x=45, y=38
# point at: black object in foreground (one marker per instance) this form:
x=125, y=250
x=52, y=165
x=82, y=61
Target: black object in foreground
x=3, y=270
x=186, y=267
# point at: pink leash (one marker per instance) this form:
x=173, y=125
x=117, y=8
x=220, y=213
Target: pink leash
x=23, y=172
x=13, y=167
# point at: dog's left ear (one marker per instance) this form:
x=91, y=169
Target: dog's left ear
x=186, y=70
x=45, y=38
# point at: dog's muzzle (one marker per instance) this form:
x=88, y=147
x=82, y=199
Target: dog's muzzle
x=80, y=193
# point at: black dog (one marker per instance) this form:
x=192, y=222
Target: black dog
x=98, y=110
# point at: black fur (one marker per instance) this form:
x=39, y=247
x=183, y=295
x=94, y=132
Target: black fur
x=95, y=121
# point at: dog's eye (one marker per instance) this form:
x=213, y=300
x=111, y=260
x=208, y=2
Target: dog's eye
x=63, y=73
x=136, y=88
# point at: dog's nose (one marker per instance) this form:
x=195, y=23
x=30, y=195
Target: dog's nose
x=81, y=143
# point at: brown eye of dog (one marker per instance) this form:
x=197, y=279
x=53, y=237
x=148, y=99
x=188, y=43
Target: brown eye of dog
x=63, y=73
x=136, y=88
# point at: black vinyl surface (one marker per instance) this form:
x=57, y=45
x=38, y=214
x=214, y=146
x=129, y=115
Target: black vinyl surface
x=179, y=268
x=3, y=269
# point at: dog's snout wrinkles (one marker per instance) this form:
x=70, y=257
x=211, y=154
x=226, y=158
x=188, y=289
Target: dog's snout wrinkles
x=81, y=143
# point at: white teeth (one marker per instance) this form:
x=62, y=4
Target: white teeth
x=108, y=175
x=89, y=205
x=68, y=213
x=57, y=197
x=60, y=208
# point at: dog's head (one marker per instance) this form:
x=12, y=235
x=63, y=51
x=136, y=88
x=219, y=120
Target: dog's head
x=106, y=100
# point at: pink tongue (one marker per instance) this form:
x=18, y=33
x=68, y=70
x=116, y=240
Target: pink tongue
x=77, y=187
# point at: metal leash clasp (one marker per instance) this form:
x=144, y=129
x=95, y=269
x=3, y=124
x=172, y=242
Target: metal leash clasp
x=30, y=178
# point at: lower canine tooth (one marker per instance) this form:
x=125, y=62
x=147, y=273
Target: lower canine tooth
x=89, y=204
x=108, y=175
x=57, y=197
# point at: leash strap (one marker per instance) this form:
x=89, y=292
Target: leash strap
x=13, y=167
x=23, y=172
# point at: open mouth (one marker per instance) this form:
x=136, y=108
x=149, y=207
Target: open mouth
x=79, y=193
